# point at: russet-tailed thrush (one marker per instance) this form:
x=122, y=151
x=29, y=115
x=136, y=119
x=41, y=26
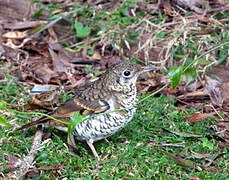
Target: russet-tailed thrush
x=109, y=103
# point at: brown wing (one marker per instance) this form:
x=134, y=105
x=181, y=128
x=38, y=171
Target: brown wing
x=81, y=106
x=89, y=99
x=65, y=111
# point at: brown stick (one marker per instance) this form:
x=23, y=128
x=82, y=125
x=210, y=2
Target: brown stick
x=22, y=166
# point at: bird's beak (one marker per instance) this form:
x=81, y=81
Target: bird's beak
x=147, y=68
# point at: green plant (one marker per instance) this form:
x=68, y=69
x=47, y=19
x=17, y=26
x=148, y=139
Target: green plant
x=81, y=30
x=189, y=67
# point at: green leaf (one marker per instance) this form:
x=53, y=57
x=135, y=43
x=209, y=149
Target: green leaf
x=3, y=105
x=81, y=30
x=207, y=143
x=102, y=30
x=127, y=20
x=76, y=118
x=175, y=74
x=89, y=68
x=223, y=55
x=38, y=13
x=124, y=11
x=203, y=62
x=56, y=16
x=90, y=52
x=190, y=72
x=3, y=122
x=160, y=35
x=181, y=56
x=190, y=75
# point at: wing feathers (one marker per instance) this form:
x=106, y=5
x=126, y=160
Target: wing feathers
x=65, y=111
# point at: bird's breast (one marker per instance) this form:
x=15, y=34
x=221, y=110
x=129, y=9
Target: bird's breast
x=120, y=112
x=103, y=125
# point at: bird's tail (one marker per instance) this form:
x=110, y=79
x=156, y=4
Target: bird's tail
x=42, y=120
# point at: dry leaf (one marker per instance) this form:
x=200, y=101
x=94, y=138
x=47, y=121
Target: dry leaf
x=146, y=6
x=96, y=55
x=12, y=10
x=198, y=93
x=211, y=168
x=54, y=1
x=196, y=117
x=168, y=9
x=15, y=34
x=199, y=156
x=180, y=161
x=223, y=145
x=192, y=86
x=194, y=178
x=224, y=125
x=187, y=135
x=49, y=168
x=11, y=159
x=23, y=25
x=41, y=104
x=192, y=4
x=206, y=19
x=61, y=58
x=44, y=73
x=225, y=87
x=214, y=90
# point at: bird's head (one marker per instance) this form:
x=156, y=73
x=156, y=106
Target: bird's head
x=123, y=75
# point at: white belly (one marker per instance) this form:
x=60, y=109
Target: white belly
x=102, y=126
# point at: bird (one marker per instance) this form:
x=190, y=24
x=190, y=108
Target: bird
x=109, y=104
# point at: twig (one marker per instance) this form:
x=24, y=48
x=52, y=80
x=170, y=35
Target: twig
x=217, y=112
x=214, y=159
x=47, y=168
x=172, y=145
x=219, y=9
x=26, y=163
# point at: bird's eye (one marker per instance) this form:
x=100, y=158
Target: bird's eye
x=126, y=73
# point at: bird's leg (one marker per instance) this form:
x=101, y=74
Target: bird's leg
x=90, y=144
x=72, y=143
